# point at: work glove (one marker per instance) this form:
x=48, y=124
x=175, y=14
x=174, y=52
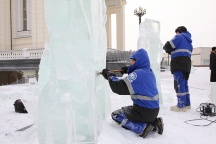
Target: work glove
x=106, y=73
x=169, y=52
x=124, y=70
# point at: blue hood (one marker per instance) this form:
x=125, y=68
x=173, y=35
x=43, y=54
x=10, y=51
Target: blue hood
x=187, y=35
x=142, y=60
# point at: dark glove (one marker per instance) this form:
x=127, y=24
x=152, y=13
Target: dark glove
x=167, y=46
x=168, y=52
x=124, y=70
x=106, y=73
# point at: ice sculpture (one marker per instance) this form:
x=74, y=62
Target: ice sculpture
x=149, y=39
x=72, y=99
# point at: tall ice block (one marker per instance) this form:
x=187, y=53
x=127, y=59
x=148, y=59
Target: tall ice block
x=149, y=39
x=73, y=101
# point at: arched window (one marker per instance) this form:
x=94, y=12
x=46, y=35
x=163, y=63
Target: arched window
x=23, y=18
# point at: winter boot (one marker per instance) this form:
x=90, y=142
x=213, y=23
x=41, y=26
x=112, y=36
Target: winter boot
x=177, y=109
x=115, y=114
x=159, y=125
x=149, y=127
x=188, y=107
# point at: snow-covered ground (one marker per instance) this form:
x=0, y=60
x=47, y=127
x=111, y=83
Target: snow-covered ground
x=176, y=131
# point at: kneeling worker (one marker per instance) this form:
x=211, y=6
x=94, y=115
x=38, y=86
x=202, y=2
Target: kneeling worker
x=140, y=84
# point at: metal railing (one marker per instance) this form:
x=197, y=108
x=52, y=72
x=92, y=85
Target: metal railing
x=118, y=56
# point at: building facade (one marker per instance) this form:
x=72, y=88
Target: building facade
x=23, y=33
x=201, y=56
x=22, y=24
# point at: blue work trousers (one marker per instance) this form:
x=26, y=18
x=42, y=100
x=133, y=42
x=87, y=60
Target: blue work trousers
x=181, y=88
x=121, y=119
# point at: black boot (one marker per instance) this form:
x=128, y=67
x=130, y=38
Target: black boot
x=159, y=125
x=149, y=127
x=116, y=113
x=154, y=124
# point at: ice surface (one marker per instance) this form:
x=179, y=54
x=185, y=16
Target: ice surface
x=149, y=39
x=73, y=101
x=213, y=93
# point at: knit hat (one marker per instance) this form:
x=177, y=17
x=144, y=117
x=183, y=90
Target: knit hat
x=181, y=29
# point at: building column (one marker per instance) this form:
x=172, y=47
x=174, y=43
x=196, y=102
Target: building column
x=108, y=30
x=116, y=7
x=120, y=18
x=5, y=24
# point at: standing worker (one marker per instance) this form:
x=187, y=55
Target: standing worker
x=140, y=83
x=180, y=48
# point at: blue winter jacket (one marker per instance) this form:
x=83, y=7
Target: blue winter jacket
x=140, y=83
x=180, y=48
x=181, y=45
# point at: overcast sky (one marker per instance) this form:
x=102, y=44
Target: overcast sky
x=198, y=16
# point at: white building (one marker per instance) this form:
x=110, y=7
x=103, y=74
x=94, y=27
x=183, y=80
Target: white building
x=23, y=33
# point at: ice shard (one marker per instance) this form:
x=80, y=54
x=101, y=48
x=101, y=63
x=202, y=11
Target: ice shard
x=73, y=100
x=149, y=39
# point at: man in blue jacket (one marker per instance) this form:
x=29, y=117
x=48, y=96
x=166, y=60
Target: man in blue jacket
x=180, y=48
x=140, y=84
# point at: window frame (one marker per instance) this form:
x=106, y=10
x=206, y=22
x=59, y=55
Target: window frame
x=19, y=13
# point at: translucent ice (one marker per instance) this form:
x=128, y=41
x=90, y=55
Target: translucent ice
x=73, y=100
x=149, y=39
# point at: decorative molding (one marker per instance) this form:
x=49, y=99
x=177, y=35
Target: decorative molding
x=115, y=3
